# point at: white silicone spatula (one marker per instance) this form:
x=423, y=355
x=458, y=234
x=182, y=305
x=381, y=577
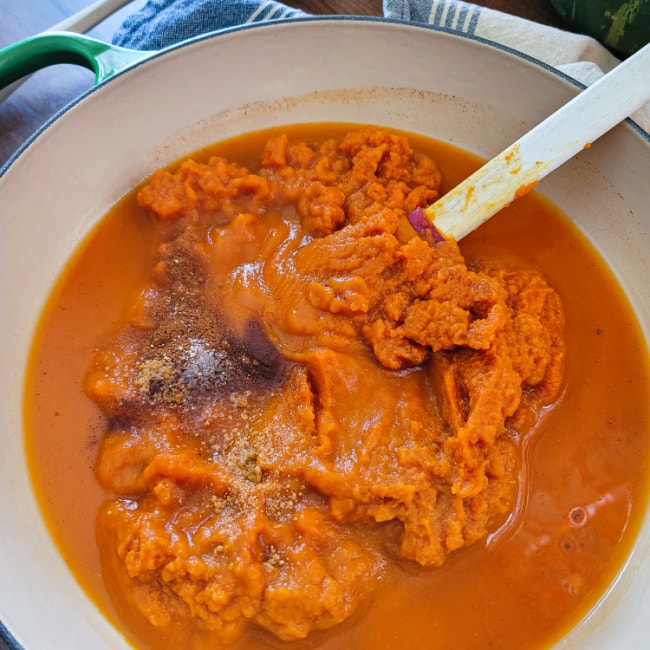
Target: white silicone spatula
x=523, y=164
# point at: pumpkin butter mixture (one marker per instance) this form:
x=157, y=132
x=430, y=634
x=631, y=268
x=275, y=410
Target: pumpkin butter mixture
x=306, y=390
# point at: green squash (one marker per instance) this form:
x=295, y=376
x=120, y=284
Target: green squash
x=623, y=26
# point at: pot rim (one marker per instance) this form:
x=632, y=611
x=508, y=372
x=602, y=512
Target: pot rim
x=272, y=24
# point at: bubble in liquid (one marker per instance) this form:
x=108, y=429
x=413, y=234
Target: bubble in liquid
x=573, y=584
x=578, y=516
x=567, y=544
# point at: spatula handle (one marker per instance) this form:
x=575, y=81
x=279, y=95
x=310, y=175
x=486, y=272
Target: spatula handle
x=562, y=135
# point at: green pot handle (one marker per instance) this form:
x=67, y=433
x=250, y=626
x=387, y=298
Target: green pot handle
x=49, y=48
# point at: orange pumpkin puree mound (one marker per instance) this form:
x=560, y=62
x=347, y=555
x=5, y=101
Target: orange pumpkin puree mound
x=305, y=390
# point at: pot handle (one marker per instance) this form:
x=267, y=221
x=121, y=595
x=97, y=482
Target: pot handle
x=32, y=54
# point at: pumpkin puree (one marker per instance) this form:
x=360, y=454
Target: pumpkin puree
x=306, y=390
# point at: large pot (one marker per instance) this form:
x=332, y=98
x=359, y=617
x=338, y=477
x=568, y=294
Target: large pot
x=466, y=91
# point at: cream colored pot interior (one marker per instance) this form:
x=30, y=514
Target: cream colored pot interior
x=463, y=91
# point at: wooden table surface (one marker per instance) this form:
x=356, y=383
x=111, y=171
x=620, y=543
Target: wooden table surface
x=49, y=90
x=46, y=92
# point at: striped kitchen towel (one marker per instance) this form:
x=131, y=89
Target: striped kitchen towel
x=581, y=57
x=160, y=23
x=553, y=46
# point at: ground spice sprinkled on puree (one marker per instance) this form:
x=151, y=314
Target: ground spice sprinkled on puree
x=306, y=390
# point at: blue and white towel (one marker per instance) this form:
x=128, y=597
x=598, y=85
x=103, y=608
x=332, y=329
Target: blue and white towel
x=549, y=44
x=161, y=23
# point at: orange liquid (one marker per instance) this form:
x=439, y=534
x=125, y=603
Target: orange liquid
x=583, y=487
